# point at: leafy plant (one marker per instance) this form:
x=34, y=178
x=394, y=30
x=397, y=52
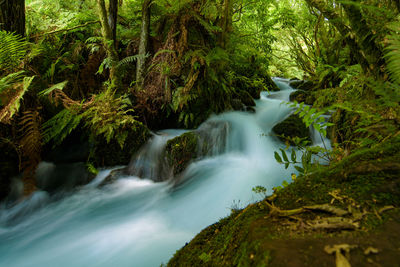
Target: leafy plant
x=13, y=49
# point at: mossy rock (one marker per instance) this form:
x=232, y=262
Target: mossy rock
x=181, y=150
x=302, y=96
x=303, y=85
x=111, y=154
x=292, y=127
x=237, y=105
x=271, y=85
x=255, y=237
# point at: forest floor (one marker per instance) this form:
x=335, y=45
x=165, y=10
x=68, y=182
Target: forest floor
x=352, y=204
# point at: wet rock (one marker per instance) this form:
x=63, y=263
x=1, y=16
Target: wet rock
x=237, y=105
x=303, y=85
x=251, y=109
x=113, y=176
x=111, y=154
x=270, y=84
x=181, y=150
x=302, y=96
x=293, y=126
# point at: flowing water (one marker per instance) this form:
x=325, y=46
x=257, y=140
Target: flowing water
x=138, y=221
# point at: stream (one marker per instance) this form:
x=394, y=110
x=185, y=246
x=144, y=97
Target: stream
x=140, y=222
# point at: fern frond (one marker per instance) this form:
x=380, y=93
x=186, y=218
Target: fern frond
x=128, y=60
x=31, y=141
x=14, y=103
x=7, y=81
x=58, y=86
x=60, y=126
x=392, y=53
x=12, y=50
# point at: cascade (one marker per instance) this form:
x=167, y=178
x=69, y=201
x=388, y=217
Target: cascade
x=143, y=217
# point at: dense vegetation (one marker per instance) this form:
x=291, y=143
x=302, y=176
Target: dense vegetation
x=102, y=74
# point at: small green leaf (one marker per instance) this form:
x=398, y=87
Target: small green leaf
x=285, y=158
x=293, y=156
x=287, y=165
x=299, y=169
x=277, y=157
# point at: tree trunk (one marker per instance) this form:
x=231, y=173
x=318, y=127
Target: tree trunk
x=364, y=36
x=144, y=43
x=109, y=45
x=226, y=22
x=344, y=30
x=12, y=16
x=112, y=19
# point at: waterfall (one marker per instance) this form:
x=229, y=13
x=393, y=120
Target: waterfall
x=143, y=217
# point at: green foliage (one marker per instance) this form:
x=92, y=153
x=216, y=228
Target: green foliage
x=311, y=116
x=260, y=190
x=109, y=117
x=13, y=49
x=60, y=126
x=12, y=90
x=392, y=53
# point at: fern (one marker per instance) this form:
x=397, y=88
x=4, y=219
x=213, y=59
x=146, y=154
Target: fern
x=31, y=140
x=58, y=86
x=392, y=53
x=15, y=96
x=12, y=50
x=60, y=126
x=129, y=60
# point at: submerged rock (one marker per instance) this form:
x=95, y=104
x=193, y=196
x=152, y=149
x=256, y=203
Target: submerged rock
x=113, y=176
x=52, y=177
x=302, y=96
x=293, y=126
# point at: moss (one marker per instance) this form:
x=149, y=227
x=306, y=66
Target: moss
x=293, y=126
x=181, y=150
x=250, y=237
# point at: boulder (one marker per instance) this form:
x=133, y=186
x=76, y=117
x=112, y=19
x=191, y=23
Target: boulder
x=293, y=126
x=271, y=85
x=181, y=150
x=237, y=105
x=302, y=96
